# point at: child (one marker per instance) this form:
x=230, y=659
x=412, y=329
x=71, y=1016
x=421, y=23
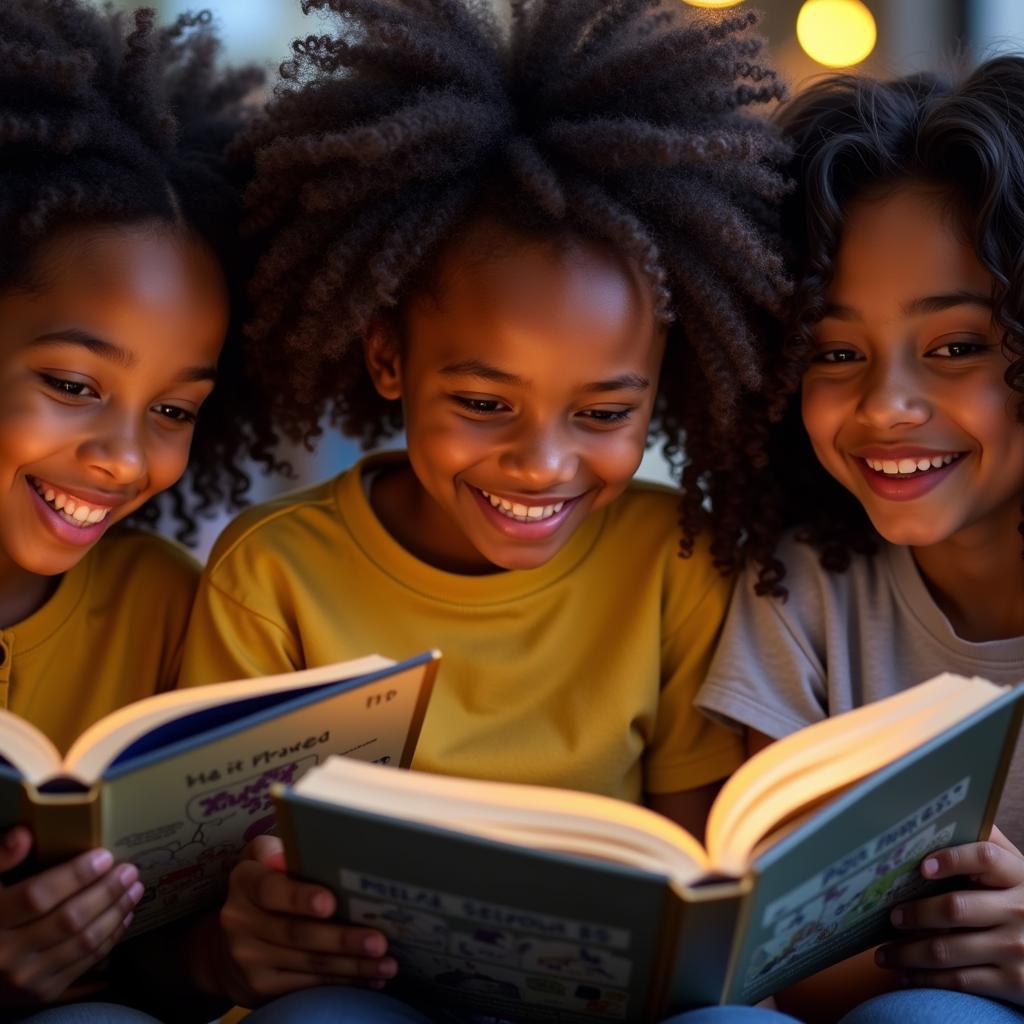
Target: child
x=113, y=311
x=904, y=484
x=478, y=233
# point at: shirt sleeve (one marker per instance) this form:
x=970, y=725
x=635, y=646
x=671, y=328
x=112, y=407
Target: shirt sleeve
x=767, y=674
x=689, y=750
x=227, y=640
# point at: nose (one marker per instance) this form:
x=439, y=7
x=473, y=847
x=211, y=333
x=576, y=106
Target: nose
x=894, y=394
x=538, y=457
x=115, y=451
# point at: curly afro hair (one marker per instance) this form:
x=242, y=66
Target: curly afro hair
x=623, y=121
x=106, y=118
x=855, y=138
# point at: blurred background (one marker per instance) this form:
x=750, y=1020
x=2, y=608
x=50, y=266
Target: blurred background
x=806, y=38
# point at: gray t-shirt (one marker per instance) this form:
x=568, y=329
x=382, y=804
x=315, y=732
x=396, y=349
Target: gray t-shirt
x=844, y=639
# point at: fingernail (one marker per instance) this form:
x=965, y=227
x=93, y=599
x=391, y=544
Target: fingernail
x=930, y=866
x=100, y=861
x=881, y=957
x=126, y=874
x=128, y=918
x=322, y=904
x=136, y=891
x=375, y=945
x=897, y=916
x=387, y=968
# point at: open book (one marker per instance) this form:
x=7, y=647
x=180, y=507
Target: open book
x=178, y=783
x=542, y=904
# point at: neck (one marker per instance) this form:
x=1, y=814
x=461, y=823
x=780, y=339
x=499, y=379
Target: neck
x=22, y=592
x=977, y=578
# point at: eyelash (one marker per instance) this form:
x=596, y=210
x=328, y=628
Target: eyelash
x=78, y=389
x=490, y=406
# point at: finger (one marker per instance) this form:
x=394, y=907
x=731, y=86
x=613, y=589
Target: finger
x=102, y=905
x=962, y=908
x=14, y=848
x=305, y=935
x=949, y=951
x=53, y=975
x=980, y=981
x=986, y=863
x=272, y=891
x=263, y=848
x=38, y=895
x=259, y=956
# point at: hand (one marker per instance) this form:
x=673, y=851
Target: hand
x=275, y=937
x=57, y=924
x=971, y=940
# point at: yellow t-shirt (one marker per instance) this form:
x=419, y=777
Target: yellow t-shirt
x=110, y=634
x=580, y=673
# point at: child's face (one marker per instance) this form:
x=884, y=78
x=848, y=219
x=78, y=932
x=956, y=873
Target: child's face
x=104, y=361
x=905, y=402
x=527, y=378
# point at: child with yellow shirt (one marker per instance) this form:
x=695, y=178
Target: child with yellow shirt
x=529, y=297
x=113, y=313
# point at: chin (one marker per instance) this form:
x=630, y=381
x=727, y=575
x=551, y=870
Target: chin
x=912, y=535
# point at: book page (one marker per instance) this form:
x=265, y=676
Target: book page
x=183, y=816
x=538, y=817
x=26, y=749
x=100, y=744
x=794, y=773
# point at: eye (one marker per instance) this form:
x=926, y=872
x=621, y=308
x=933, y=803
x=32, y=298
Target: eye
x=175, y=414
x=482, y=406
x=67, y=387
x=836, y=355
x=959, y=349
x=606, y=417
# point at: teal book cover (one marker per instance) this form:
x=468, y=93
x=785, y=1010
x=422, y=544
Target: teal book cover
x=489, y=910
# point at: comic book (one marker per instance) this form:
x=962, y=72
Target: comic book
x=178, y=783
x=531, y=903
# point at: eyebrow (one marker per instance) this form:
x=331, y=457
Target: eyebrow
x=484, y=371
x=919, y=307
x=115, y=354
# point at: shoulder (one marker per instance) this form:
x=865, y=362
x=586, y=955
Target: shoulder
x=276, y=524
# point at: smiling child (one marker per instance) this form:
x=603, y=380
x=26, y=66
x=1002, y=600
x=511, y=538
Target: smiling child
x=480, y=237
x=113, y=313
x=900, y=470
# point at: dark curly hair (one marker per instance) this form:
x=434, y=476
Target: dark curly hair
x=856, y=138
x=622, y=121
x=106, y=118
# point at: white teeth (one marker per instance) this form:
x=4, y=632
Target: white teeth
x=523, y=513
x=73, y=511
x=908, y=466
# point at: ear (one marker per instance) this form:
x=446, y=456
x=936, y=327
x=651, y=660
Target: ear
x=383, y=359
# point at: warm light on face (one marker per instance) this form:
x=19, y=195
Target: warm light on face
x=837, y=33
x=713, y=3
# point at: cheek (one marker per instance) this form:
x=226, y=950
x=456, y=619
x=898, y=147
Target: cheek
x=31, y=427
x=166, y=458
x=822, y=407
x=615, y=456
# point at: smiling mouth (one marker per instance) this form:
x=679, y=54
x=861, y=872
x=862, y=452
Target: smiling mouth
x=909, y=467
x=70, y=508
x=523, y=513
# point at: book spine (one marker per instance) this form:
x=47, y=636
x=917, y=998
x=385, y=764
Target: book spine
x=422, y=699
x=1009, y=746
x=63, y=824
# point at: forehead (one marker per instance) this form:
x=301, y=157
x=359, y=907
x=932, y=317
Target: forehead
x=141, y=287
x=906, y=244
x=492, y=288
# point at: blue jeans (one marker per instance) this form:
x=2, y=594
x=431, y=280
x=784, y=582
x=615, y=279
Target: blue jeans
x=89, y=1013
x=338, y=1005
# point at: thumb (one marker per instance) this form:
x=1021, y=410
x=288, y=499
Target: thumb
x=14, y=847
x=999, y=839
x=268, y=851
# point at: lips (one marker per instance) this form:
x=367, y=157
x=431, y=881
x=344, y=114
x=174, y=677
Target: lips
x=905, y=475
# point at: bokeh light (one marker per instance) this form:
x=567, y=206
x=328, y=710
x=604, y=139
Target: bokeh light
x=713, y=3
x=837, y=33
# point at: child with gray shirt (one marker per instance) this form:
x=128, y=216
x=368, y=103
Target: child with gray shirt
x=898, y=474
